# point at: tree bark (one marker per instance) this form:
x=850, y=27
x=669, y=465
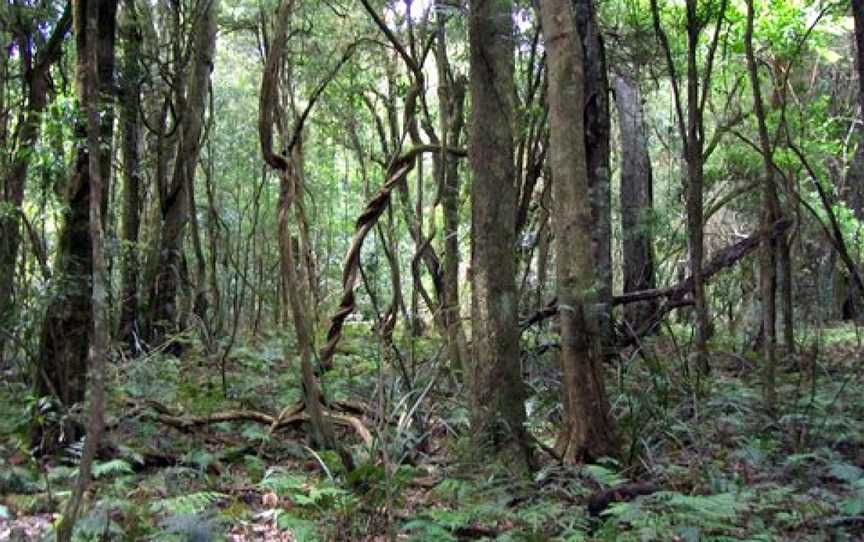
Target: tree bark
x=636, y=200
x=853, y=193
x=598, y=127
x=130, y=115
x=497, y=390
x=322, y=430
x=163, y=295
x=588, y=431
x=93, y=46
x=695, y=182
x=451, y=97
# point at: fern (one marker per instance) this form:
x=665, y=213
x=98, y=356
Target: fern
x=302, y=530
x=281, y=482
x=425, y=530
x=114, y=467
x=666, y=515
x=604, y=476
x=193, y=503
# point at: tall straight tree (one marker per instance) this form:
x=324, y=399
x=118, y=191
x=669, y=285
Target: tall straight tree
x=635, y=199
x=497, y=390
x=855, y=176
x=691, y=129
x=67, y=330
x=770, y=213
x=587, y=432
x=130, y=122
x=854, y=192
x=89, y=16
x=598, y=126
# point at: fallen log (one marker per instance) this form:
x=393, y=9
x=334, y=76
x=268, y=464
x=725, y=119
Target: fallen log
x=725, y=258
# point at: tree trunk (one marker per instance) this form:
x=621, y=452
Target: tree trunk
x=853, y=194
x=770, y=212
x=497, y=398
x=35, y=74
x=588, y=431
x=598, y=126
x=164, y=313
x=130, y=114
x=66, y=334
x=451, y=97
x=695, y=182
x=636, y=200
x=322, y=430
x=94, y=46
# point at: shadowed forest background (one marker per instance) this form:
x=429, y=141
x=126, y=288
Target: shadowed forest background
x=431, y=270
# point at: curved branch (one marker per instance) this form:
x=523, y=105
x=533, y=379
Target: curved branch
x=269, y=82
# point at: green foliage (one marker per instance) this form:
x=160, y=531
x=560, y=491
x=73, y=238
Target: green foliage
x=304, y=530
x=192, y=503
x=114, y=467
x=302, y=492
x=666, y=515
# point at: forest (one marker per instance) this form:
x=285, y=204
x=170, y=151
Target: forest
x=430, y=270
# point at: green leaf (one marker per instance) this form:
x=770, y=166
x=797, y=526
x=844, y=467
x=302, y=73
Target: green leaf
x=845, y=472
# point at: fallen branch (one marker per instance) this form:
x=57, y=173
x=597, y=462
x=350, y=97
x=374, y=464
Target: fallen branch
x=727, y=257
x=600, y=501
x=288, y=417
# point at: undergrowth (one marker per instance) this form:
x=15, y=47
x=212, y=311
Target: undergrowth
x=718, y=465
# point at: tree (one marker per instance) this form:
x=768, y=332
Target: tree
x=587, y=431
x=36, y=66
x=92, y=48
x=67, y=330
x=598, y=126
x=322, y=430
x=691, y=130
x=130, y=118
x=497, y=393
x=636, y=199
x=175, y=199
x=770, y=213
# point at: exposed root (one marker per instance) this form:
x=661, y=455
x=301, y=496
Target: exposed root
x=289, y=416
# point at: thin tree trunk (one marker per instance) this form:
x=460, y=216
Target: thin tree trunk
x=497, y=390
x=453, y=95
x=770, y=212
x=175, y=201
x=695, y=183
x=322, y=430
x=130, y=111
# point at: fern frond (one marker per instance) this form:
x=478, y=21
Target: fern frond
x=192, y=503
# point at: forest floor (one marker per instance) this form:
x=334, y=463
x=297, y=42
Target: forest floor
x=696, y=465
